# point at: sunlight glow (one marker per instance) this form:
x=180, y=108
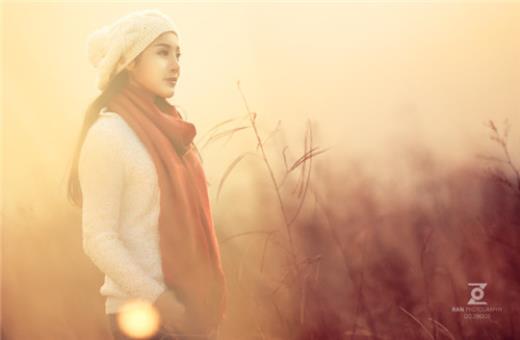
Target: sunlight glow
x=138, y=319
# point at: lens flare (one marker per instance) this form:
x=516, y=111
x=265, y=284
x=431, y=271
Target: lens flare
x=138, y=319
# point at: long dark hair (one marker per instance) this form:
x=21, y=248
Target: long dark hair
x=115, y=85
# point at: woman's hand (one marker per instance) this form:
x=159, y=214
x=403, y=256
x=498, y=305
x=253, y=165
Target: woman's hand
x=172, y=312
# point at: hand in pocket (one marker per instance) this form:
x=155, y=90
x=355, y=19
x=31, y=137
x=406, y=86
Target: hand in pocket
x=172, y=313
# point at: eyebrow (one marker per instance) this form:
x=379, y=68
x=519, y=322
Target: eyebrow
x=166, y=45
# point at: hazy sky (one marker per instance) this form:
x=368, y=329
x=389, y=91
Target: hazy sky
x=368, y=74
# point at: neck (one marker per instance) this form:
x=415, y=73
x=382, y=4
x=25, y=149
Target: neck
x=143, y=92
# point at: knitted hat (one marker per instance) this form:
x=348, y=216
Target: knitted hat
x=111, y=48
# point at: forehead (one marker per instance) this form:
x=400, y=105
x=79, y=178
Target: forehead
x=167, y=38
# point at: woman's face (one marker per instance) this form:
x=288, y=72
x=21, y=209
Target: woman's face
x=157, y=65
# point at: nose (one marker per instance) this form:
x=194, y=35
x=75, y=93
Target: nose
x=174, y=64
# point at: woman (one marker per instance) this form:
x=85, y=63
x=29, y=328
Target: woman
x=137, y=175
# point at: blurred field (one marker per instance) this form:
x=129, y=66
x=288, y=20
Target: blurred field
x=376, y=258
x=393, y=202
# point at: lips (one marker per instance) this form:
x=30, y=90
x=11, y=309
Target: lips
x=171, y=81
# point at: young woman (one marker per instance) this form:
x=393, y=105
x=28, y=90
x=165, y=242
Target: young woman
x=137, y=175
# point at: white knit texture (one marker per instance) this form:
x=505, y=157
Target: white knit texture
x=112, y=47
x=120, y=212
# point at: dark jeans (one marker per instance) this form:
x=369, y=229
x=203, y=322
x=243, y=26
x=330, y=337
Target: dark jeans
x=160, y=335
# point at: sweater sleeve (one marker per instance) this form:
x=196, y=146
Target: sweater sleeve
x=101, y=173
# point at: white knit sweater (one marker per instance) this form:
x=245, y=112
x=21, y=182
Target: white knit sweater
x=120, y=212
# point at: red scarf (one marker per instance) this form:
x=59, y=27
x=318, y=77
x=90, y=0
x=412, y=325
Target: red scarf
x=189, y=250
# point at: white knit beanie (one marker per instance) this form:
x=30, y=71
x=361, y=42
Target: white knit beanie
x=111, y=48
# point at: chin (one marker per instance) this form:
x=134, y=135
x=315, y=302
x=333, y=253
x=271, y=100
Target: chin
x=168, y=93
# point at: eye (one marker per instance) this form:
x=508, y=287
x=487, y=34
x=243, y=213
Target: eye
x=163, y=52
x=178, y=55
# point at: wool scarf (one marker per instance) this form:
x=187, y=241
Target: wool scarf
x=189, y=249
